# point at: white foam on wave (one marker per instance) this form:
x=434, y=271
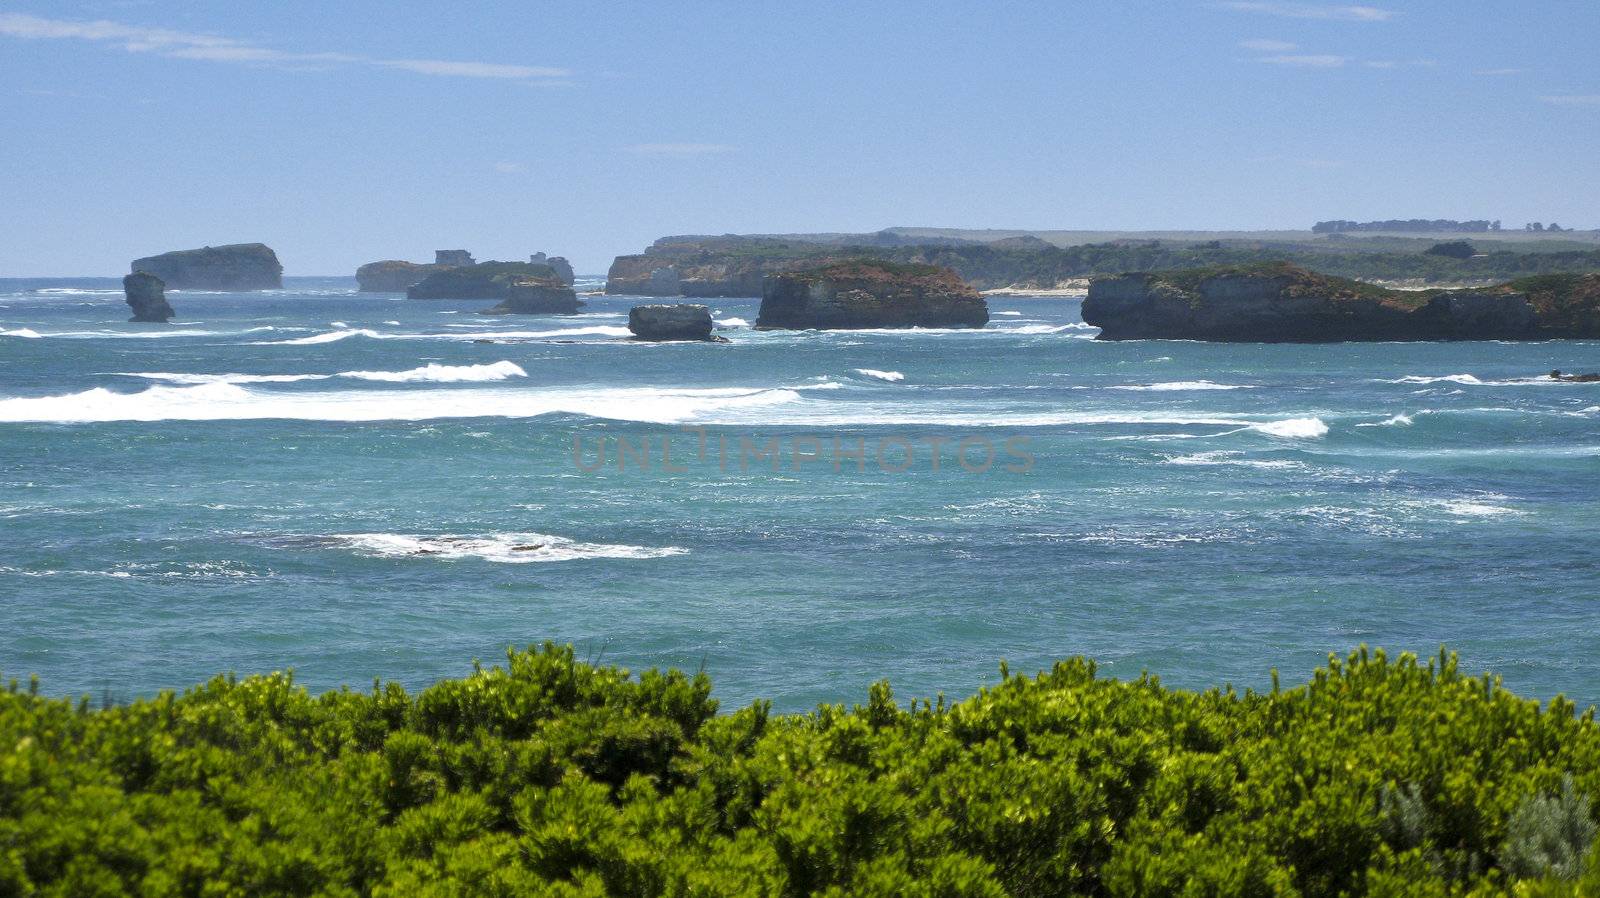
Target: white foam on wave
x=732, y=322
x=893, y=377
x=333, y=336
x=1294, y=428
x=1208, y=459
x=505, y=548
x=231, y=402
x=1468, y=508
x=1401, y=420
x=1472, y=381
x=446, y=374
x=1032, y=329
x=430, y=373
x=1010, y=314
x=25, y=332
x=1181, y=386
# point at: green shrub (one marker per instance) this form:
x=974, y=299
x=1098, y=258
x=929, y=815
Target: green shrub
x=1378, y=776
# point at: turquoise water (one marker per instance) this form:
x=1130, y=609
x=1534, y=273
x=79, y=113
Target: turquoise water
x=281, y=480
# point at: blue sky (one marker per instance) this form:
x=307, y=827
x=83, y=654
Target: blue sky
x=345, y=132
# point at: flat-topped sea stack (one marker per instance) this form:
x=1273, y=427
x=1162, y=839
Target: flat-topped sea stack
x=392, y=275
x=680, y=321
x=146, y=295
x=537, y=296
x=484, y=280
x=1277, y=302
x=867, y=293
x=558, y=264
x=239, y=266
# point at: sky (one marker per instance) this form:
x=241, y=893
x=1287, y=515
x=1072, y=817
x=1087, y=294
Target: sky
x=341, y=133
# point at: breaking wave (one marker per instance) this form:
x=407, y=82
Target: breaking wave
x=430, y=373
x=893, y=377
x=1182, y=385
x=506, y=548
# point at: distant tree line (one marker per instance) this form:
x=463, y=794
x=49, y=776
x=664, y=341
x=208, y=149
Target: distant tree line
x=1410, y=225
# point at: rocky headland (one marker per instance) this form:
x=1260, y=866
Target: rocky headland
x=1278, y=302
x=239, y=266
x=537, y=296
x=867, y=293
x=146, y=295
x=395, y=275
x=483, y=280
x=558, y=264
x=681, y=321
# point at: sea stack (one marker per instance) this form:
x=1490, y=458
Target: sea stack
x=239, y=266
x=484, y=280
x=558, y=264
x=681, y=321
x=537, y=296
x=867, y=293
x=147, y=296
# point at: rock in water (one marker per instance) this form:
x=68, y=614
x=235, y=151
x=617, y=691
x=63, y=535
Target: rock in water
x=682, y=321
x=558, y=264
x=485, y=280
x=869, y=293
x=147, y=295
x=452, y=258
x=393, y=275
x=1277, y=302
x=537, y=296
x=240, y=266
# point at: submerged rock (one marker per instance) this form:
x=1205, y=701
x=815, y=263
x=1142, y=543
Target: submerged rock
x=681, y=321
x=1575, y=378
x=870, y=293
x=239, y=266
x=147, y=296
x=1279, y=302
x=537, y=296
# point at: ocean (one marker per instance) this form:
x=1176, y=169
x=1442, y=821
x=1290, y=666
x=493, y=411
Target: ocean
x=359, y=485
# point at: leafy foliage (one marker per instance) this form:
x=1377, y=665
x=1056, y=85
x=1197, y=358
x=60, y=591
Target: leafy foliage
x=547, y=776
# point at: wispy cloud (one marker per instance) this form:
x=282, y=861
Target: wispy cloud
x=510, y=168
x=1311, y=11
x=1268, y=46
x=1309, y=61
x=1498, y=73
x=216, y=48
x=681, y=149
x=1572, y=100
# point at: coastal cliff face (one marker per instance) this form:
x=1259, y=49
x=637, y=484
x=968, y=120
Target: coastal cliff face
x=485, y=280
x=1279, y=303
x=146, y=295
x=702, y=273
x=537, y=296
x=240, y=266
x=393, y=275
x=869, y=293
x=558, y=264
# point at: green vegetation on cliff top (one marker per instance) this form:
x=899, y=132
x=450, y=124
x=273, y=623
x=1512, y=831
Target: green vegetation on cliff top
x=1379, y=776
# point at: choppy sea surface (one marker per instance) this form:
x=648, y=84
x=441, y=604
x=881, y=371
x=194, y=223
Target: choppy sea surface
x=360, y=485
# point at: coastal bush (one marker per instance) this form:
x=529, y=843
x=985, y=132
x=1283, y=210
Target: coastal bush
x=1377, y=776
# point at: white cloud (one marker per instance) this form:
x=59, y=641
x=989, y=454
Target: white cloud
x=1381, y=64
x=1572, y=100
x=1318, y=61
x=681, y=149
x=1309, y=11
x=215, y=48
x=1269, y=46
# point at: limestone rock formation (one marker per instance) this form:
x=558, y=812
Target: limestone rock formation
x=868, y=293
x=147, y=296
x=485, y=280
x=453, y=258
x=537, y=296
x=1279, y=302
x=240, y=266
x=558, y=264
x=393, y=275
x=681, y=321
